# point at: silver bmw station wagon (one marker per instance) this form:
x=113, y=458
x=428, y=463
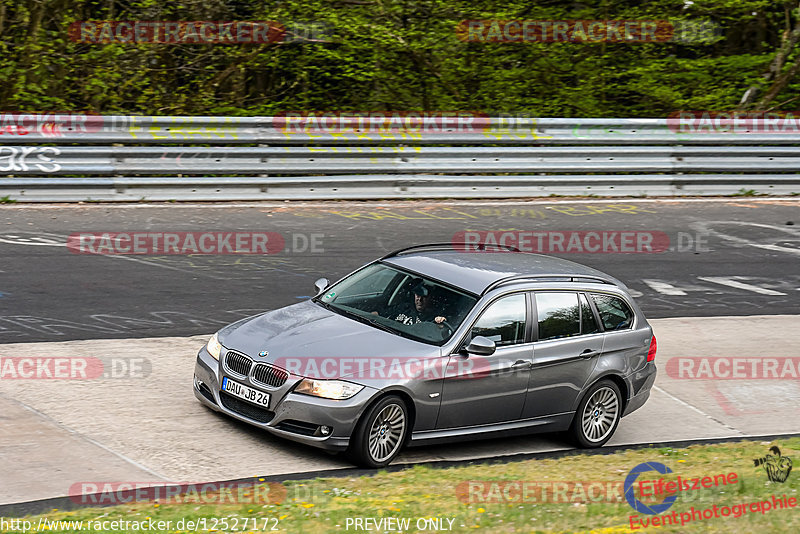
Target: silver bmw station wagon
x=431, y=344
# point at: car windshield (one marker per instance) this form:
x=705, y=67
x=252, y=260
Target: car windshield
x=400, y=302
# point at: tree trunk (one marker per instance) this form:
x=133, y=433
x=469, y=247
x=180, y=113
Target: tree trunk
x=778, y=86
x=37, y=13
x=775, y=67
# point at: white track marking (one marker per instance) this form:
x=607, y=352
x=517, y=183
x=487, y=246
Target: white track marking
x=664, y=288
x=730, y=282
x=398, y=203
x=171, y=267
x=792, y=234
x=87, y=438
x=698, y=410
x=56, y=240
x=38, y=239
x=777, y=248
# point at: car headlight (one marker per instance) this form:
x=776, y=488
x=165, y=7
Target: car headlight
x=328, y=389
x=213, y=347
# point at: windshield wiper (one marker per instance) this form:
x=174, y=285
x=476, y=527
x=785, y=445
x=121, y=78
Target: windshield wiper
x=366, y=319
x=377, y=324
x=323, y=304
x=360, y=318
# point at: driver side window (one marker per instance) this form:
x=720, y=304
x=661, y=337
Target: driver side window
x=503, y=321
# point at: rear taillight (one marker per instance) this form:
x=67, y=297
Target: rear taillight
x=651, y=354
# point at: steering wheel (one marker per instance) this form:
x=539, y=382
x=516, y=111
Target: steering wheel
x=449, y=328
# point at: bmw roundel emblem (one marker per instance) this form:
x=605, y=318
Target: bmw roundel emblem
x=263, y=353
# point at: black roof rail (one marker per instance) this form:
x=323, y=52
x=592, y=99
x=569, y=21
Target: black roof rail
x=544, y=277
x=462, y=246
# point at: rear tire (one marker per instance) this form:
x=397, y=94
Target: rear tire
x=597, y=416
x=380, y=433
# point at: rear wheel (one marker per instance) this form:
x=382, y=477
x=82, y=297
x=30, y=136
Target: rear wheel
x=380, y=434
x=598, y=415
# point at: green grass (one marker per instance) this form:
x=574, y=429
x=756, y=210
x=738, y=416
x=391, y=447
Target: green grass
x=748, y=193
x=325, y=504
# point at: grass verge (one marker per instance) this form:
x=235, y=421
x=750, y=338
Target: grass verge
x=578, y=493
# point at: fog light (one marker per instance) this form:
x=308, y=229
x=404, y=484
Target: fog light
x=325, y=430
x=197, y=382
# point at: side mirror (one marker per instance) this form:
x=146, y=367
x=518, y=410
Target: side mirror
x=321, y=285
x=481, y=345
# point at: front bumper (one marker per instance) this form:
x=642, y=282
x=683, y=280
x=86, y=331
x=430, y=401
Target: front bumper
x=291, y=415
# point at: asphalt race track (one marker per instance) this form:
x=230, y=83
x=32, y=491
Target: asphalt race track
x=732, y=257
x=733, y=263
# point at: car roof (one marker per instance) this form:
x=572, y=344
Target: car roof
x=476, y=272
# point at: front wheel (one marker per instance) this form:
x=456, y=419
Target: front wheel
x=380, y=434
x=598, y=415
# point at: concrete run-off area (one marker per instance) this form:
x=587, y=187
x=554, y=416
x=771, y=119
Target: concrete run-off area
x=139, y=422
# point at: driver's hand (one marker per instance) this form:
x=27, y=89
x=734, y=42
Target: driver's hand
x=439, y=319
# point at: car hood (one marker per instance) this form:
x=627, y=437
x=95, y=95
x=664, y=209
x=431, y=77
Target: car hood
x=308, y=331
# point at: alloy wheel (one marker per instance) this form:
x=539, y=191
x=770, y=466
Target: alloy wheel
x=600, y=414
x=386, y=433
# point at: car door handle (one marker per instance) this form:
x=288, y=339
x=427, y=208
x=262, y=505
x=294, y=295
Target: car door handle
x=588, y=353
x=521, y=363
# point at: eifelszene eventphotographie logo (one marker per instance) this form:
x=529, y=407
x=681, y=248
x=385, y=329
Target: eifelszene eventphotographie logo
x=630, y=484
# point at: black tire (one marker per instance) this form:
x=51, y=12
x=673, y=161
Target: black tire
x=597, y=416
x=380, y=434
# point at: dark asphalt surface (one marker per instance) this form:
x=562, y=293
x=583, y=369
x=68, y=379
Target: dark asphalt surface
x=743, y=259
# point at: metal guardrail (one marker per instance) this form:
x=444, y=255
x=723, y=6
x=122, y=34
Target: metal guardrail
x=81, y=157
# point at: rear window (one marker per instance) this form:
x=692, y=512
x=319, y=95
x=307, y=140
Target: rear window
x=614, y=312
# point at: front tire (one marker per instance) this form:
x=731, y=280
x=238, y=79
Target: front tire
x=598, y=415
x=380, y=434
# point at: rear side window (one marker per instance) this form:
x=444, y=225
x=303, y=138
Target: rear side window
x=558, y=315
x=614, y=312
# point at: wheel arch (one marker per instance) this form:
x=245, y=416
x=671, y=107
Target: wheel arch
x=616, y=379
x=407, y=399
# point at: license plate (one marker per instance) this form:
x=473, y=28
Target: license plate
x=245, y=392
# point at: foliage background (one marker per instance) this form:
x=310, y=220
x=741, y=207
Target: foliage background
x=396, y=55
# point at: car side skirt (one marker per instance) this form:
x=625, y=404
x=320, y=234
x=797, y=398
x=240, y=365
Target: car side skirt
x=550, y=423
